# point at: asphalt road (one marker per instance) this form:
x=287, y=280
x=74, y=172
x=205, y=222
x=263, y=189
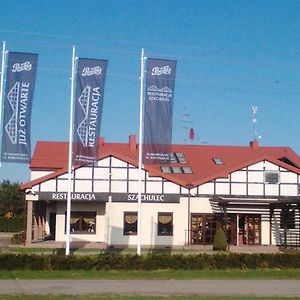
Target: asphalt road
x=152, y=287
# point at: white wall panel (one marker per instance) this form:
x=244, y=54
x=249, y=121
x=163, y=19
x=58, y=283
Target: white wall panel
x=118, y=163
x=272, y=189
x=239, y=176
x=238, y=189
x=288, y=177
x=101, y=173
x=222, y=188
x=83, y=186
x=104, y=162
x=134, y=174
x=119, y=186
x=270, y=166
x=62, y=185
x=255, y=189
x=84, y=173
x=257, y=166
x=289, y=190
x=171, y=188
x=48, y=186
x=101, y=186
x=255, y=176
x=134, y=186
x=207, y=188
x=117, y=173
x=154, y=187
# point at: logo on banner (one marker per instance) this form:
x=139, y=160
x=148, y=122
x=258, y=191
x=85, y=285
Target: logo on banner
x=156, y=94
x=26, y=66
x=91, y=71
x=156, y=71
x=89, y=103
x=16, y=126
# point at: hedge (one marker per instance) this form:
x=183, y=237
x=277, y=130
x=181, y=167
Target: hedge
x=9, y=261
x=15, y=224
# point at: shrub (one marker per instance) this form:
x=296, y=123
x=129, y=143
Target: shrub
x=9, y=261
x=220, y=241
x=18, y=238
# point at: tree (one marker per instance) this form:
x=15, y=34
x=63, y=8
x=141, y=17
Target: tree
x=12, y=199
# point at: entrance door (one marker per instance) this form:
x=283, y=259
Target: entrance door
x=52, y=225
x=249, y=230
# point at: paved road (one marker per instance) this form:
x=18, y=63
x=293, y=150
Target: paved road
x=152, y=287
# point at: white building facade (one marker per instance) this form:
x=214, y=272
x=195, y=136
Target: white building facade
x=252, y=192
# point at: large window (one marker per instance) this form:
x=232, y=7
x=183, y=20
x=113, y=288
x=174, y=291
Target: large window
x=287, y=218
x=165, y=224
x=83, y=222
x=130, y=223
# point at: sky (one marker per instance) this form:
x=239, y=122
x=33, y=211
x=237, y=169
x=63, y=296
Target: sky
x=231, y=56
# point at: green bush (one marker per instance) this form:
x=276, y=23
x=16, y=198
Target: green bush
x=14, y=224
x=18, y=238
x=9, y=261
x=220, y=241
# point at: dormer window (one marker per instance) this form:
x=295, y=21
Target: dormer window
x=218, y=161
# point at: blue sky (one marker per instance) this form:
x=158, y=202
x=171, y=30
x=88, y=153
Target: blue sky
x=230, y=56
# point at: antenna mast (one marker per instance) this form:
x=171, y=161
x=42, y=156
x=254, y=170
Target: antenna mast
x=254, y=121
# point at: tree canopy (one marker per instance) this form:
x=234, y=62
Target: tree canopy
x=12, y=199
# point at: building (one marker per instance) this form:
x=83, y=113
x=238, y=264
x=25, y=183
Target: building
x=252, y=191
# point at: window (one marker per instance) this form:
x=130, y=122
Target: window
x=130, y=223
x=165, y=224
x=218, y=161
x=187, y=170
x=166, y=170
x=82, y=222
x=271, y=177
x=176, y=170
x=181, y=158
x=287, y=218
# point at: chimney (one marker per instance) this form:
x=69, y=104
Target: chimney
x=101, y=141
x=132, y=143
x=254, y=144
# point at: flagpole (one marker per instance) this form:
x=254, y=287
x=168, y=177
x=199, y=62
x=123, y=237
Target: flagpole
x=1, y=84
x=138, y=250
x=68, y=217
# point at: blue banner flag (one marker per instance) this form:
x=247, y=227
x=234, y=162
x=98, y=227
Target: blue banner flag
x=88, y=109
x=19, y=89
x=159, y=95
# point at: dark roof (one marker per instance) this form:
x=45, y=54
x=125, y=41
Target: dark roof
x=53, y=156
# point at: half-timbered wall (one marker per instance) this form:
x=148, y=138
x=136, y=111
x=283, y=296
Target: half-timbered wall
x=114, y=176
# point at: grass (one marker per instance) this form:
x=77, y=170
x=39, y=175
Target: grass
x=158, y=274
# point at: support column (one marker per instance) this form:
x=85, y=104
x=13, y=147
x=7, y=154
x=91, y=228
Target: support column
x=29, y=222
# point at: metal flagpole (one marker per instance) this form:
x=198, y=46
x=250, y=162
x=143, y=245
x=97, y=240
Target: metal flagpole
x=1, y=84
x=138, y=250
x=68, y=217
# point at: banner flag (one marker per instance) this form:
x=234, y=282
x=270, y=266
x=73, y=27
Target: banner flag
x=20, y=82
x=88, y=109
x=158, y=116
